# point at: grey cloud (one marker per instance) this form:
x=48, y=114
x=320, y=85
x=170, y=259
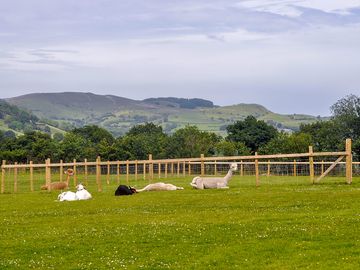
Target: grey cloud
x=54, y=21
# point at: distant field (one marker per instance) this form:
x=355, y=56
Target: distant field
x=284, y=224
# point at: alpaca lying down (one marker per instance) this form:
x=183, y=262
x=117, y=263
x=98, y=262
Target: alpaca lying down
x=214, y=182
x=67, y=196
x=159, y=187
x=56, y=186
x=81, y=194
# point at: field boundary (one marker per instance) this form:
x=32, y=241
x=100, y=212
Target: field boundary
x=148, y=169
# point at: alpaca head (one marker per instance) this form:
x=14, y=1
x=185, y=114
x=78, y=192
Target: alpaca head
x=233, y=167
x=80, y=187
x=69, y=172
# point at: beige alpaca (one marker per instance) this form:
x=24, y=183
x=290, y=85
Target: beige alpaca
x=159, y=187
x=60, y=185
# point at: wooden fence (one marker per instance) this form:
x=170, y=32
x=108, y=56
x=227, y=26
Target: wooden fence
x=151, y=169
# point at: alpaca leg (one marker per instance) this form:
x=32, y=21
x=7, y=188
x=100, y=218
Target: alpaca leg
x=222, y=186
x=199, y=184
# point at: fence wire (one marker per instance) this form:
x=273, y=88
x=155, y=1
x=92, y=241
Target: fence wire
x=20, y=179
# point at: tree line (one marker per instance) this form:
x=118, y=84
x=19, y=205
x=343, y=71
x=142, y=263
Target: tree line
x=243, y=138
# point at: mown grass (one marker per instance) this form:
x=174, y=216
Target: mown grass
x=284, y=224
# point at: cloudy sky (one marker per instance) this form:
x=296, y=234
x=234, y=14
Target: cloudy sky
x=292, y=56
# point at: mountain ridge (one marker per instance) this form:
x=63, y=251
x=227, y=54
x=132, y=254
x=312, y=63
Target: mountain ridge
x=119, y=114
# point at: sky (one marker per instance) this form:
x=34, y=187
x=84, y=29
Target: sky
x=291, y=56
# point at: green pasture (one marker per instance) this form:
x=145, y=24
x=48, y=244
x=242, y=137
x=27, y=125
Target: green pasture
x=286, y=223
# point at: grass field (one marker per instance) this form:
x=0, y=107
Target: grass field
x=286, y=223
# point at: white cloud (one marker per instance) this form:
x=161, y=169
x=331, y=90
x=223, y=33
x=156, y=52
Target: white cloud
x=289, y=7
x=337, y=6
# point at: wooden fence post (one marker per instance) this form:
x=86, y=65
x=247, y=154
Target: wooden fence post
x=322, y=167
x=241, y=168
x=3, y=176
x=184, y=168
x=189, y=168
x=61, y=172
x=178, y=169
x=172, y=168
x=136, y=170
x=75, y=173
x=48, y=174
x=144, y=171
x=86, y=171
x=215, y=168
x=151, y=168
x=166, y=170
x=159, y=170
x=98, y=173
x=118, y=172
x=311, y=165
x=127, y=172
x=15, y=177
x=257, y=170
x=108, y=173
x=268, y=169
x=31, y=176
x=348, y=161
x=202, y=165
x=294, y=168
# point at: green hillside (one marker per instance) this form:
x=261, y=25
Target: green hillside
x=118, y=114
x=17, y=121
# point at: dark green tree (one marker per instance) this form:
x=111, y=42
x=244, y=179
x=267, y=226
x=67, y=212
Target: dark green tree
x=346, y=114
x=58, y=136
x=75, y=146
x=94, y=134
x=326, y=136
x=142, y=140
x=191, y=142
x=254, y=133
x=38, y=147
x=227, y=148
x=286, y=143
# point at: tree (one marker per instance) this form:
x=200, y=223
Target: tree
x=94, y=134
x=74, y=147
x=191, y=142
x=9, y=134
x=326, y=136
x=142, y=140
x=286, y=143
x=346, y=113
x=58, y=136
x=38, y=146
x=254, y=133
x=227, y=148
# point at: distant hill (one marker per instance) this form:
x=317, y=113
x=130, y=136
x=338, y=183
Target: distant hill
x=183, y=103
x=19, y=121
x=118, y=114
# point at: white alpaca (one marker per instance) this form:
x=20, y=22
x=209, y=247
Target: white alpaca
x=214, y=182
x=67, y=196
x=159, y=187
x=82, y=193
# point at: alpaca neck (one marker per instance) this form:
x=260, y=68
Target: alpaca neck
x=67, y=180
x=228, y=176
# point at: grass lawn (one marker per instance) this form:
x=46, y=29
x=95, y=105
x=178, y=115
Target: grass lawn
x=284, y=224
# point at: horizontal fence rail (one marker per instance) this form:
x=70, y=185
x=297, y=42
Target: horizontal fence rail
x=292, y=165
